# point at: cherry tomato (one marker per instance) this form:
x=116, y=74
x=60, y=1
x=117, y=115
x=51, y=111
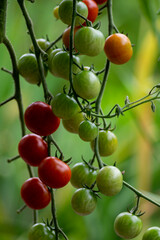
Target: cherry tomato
x=82, y=175
x=41, y=231
x=86, y=84
x=83, y=201
x=56, y=12
x=72, y=124
x=100, y=1
x=87, y=131
x=107, y=143
x=59, y=65
x=127, y=225
x=152, y=233
x=64, y=106
x=43, y=44
x=118, y=48
x=65, y=12
x=89, y=41
x=32, y=149
x=51, y=56
x=109, y=180
x=54, y=172
x=35, y=193
x=40, y=119
x=66, y=36
x=92, y=10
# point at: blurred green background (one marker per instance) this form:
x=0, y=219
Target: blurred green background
x=138, y=131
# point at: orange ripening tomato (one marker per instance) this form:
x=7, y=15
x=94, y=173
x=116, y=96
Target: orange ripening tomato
x=66, y=36
x=118, y=48
x=92, y=10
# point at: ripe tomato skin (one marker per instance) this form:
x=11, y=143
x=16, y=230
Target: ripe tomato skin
x=92, y=10
x=100, y=1
x=152, y=233
x=127, y=225
x=89, y=41
x=87, y=131
x=41, y=231
x=66, y=36
x=54, y=172
x=72, y=124
x=82, y=175
x=35, y=193
x=109, y=180
x=40, y=119
x=83, y=201
x=118, y=48
x=32, y=149
x=86, y=84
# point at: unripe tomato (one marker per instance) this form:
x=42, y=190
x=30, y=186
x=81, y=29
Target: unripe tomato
x=32, y=149
x=152, y=233
x=107, y=143
x=100, y=1
x=72, y=124
x=87, y=131
x=127, y=225
x=118, y=48
x=64, y=106
x=56, y=12
x=51, y=56
x=44, y=44
x=28, y=68
x=92, y=10
x=89, y=41
x=35, y=193
x=41, y=231
x=54, y=172
x=86, y=84
x=66, y=36
x=65, y=12
x=83, y=201
x=82, y=175
x=109, y=180
x=40, y=119
x=59, y=66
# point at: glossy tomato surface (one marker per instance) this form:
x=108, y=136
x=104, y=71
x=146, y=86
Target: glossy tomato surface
x=35, y=193
x=92, y=9
x=152, y=233
x=43, y=44
x=72, y=124
x=87, y=131
x=101, y=1
x=41, y=231
x=40, y=119
x=66, y=37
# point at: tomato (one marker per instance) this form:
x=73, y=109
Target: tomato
x=89, y=41
x=51, y=56
x=87, y=131
x=66, y=36
x=54, y=172
x=32, y=149
x=40, y=119
x=109, y=180
x=59, y=66
x=100, y=1
x=83, y=201
x=35, y=193
x=40, y=231
x=118, y=48
x=43, y=44
x=65, y=12
x=107, y=143
x=152, y=233
x=56, y=12
x=28, y=68
x=72, y=124
x=64, y=106
x=86, y=84
x=92, y=10
x=82, y=175
x=127, y=225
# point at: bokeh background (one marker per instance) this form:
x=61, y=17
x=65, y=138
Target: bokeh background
x=138, y=131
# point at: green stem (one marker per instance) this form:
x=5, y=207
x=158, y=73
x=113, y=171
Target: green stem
x=53, y=43
x=3, y=10
x=53, y=210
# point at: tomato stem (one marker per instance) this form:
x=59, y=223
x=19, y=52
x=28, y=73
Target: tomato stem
x=3, y=10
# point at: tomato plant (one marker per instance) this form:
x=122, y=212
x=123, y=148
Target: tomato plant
x=72, y=124
x=152, y=233
x=32, y=149
x=87, y=131
x=41, y=231
x=100, y=1
x=66, y=37
x=35, y=193
x=43, y=44
x=40, y=119
x=92, y=10
x=127, y=225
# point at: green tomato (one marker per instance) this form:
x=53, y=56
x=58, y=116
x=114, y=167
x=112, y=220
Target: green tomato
x=89, y=41
x=72, y=124
x=109, y=180
x=86, y=84
x=44, y=44
x=152, y=233
x=41, y=231
x=87, y=131
x=59, y=65
x=51, y=56
x=127, y=225
x=65, y=12
x=63, y=106
x=82, y=175
x=84, y=201
x=107, y=143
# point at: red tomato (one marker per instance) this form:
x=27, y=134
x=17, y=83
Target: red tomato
x=54, y=172
x=35, y=193
x=32, y=149
x=66, y=36
x=40, y=119
x=100, y=1
x=92, y=10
